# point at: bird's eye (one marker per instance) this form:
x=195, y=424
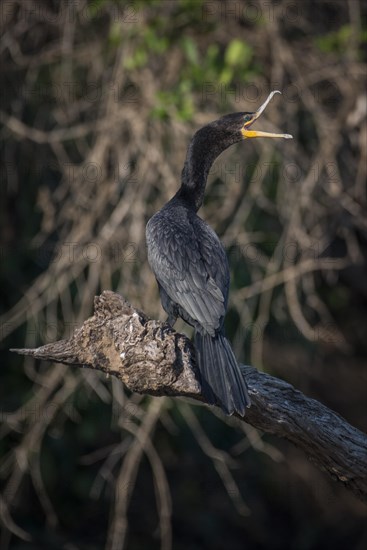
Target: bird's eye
x=247, y=118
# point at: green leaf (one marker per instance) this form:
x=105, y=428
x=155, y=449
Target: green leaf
x=190, y=49
x=238, y=53
x=226, y=75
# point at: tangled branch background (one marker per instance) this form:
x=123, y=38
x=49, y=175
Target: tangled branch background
x=99, y=102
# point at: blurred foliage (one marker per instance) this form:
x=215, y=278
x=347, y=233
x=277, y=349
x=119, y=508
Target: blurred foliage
x=98, y=103
x=337, y=41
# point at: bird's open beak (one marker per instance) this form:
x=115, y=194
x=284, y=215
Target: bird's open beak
x=254, y=133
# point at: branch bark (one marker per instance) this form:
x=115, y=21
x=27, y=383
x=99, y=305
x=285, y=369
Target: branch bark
x=151, y=358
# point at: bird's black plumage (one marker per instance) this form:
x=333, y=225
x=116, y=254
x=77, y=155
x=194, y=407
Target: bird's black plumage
x=191, y=266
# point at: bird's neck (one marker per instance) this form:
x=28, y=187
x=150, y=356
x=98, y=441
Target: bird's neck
x=201, y=154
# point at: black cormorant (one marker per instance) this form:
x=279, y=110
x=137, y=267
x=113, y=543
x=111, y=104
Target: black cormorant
x=191, y=266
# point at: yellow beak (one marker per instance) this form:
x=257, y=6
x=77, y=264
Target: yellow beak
x=254, y=133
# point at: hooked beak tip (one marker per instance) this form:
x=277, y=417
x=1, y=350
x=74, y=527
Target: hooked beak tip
x=246, y=133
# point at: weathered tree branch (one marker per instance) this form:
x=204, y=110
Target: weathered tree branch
x=150, y=357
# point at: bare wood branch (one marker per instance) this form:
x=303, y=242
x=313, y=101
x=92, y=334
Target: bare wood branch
x=151, y=358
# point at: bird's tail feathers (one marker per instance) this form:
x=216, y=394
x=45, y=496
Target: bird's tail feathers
x=221, y=377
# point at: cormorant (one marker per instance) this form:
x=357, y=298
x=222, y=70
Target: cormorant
x=190, y=264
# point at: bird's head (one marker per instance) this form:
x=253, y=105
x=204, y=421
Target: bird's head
x=211, y=140
x=237, y=125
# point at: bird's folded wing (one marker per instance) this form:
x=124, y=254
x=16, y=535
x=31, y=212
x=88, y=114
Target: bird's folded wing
x=191, y=265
